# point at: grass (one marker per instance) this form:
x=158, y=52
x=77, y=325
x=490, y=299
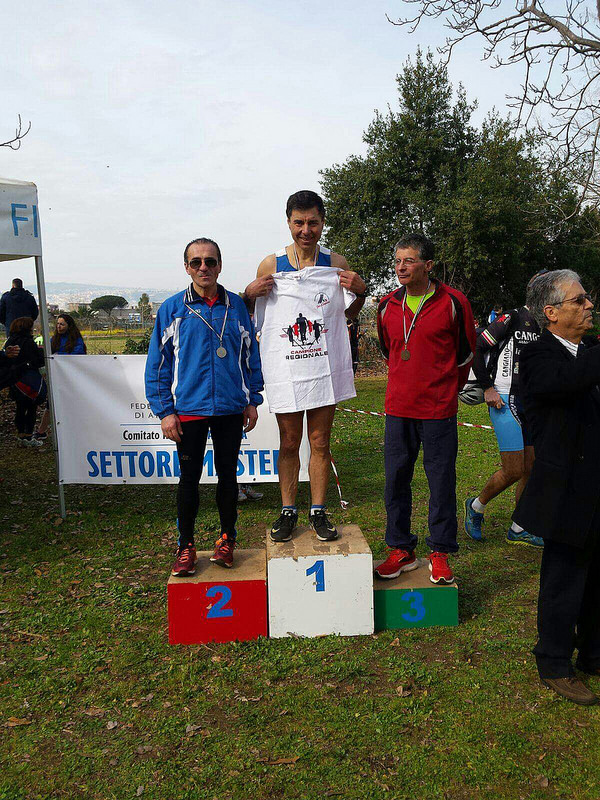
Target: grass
x=105, y=708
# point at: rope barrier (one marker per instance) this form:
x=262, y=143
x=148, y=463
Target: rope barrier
x=381, y=414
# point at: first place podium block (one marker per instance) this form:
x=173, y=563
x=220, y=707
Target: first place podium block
x=412, y=601
x=317, y=588
x=219, y=604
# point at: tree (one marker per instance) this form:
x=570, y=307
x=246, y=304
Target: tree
x=559, y=55
x=485, y=197
x=414, y=158
x=15, y=142
x=107, y=302
x=145, y=307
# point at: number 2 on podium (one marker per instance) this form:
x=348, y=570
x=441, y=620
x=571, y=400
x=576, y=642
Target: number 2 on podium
x=318, y=570
x=218, y=610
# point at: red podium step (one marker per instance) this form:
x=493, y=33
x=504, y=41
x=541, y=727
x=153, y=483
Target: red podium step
x=217, y=604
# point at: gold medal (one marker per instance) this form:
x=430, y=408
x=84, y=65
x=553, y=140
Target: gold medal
x=221, y=352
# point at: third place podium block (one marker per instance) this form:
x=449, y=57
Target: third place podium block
x=412, y=601
x=317, y=588
x=217, y=604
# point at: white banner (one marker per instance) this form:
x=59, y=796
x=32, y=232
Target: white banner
x=19, y=220
x=107, y=433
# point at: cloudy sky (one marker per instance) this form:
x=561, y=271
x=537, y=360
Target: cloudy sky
x=154, y=123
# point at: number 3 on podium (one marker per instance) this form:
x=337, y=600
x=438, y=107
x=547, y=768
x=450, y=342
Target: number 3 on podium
x=318, y=570
x=417, y=609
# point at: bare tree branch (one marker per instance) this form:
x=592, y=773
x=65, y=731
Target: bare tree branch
x=15, y=142
x=560, y=58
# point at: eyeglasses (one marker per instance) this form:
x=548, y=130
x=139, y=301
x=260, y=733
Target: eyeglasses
x=408, y=262
x=580, y=299
x=196, y=263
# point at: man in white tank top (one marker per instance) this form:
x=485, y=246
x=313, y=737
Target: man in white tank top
x=305, y=217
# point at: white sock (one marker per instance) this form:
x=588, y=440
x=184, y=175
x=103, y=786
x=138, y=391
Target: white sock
x=516, y=528
x=478, y=506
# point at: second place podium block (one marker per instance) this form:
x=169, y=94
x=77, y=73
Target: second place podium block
x=317, y=588
x=217, y=604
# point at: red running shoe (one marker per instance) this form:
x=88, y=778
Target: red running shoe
x=185, y=563
x=440, y=569
x=398, y=561
x=223, y=555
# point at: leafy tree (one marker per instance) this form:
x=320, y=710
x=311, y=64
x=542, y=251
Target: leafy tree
x=486, y=197
x=138, y=346
x=145, y=307
x=414, y=158
x=107, y=302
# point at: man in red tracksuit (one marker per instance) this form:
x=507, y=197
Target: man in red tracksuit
x=427, y=335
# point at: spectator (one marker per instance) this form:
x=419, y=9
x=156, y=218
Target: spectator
x=494, y=314
x=29, y=391
x=15, y=303
x=559, y=386
x=496, y=366
x=67, y=339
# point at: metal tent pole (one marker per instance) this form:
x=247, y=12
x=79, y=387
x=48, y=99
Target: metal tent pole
x=39, y=272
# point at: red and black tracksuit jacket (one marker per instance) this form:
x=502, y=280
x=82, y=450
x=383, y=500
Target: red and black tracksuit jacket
x=441, y=346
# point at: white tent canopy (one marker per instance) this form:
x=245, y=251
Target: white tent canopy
x=21, y=237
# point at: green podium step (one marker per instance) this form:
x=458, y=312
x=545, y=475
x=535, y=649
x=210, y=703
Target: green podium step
x=412, y=601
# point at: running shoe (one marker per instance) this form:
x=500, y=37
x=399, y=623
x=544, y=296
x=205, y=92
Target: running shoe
x=41, y=437
x=284, y=526
x=247, y=493
x=185, y=563
x=528, y=539
x=223, y=555
x=473, y=521
x=326, y=532
x=398, y=561
x=28, y=441
x=440, y=569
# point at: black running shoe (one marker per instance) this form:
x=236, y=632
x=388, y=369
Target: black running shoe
x=325, y=531
x=284, y=526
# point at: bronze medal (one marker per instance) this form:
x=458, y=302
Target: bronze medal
x=405, y=355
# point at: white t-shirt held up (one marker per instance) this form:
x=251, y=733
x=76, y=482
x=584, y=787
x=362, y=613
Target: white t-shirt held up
x=304, y=342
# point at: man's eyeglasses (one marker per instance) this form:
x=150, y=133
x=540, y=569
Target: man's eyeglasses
x=580, y=299
x=196, y=263
x=408, y=262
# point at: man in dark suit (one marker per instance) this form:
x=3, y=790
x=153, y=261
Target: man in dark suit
x=561, y=502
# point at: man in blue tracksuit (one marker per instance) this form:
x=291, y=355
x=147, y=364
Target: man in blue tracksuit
x=203, y=372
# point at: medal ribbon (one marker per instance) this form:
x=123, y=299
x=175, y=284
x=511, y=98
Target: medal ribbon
x=414, y=319
x=298, y=260
x=199, y=315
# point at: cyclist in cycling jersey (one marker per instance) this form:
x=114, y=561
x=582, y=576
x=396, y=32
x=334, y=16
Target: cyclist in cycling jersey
x=496, y=366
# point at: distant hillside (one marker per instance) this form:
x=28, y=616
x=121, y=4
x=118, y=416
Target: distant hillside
x=62, y=293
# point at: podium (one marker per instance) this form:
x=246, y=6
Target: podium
x=317, y=588
x=412, y=601
x=219, y=604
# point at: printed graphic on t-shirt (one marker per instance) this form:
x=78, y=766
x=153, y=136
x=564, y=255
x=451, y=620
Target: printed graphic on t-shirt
x=305, y=337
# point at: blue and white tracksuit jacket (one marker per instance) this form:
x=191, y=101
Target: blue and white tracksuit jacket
x=185, y=375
